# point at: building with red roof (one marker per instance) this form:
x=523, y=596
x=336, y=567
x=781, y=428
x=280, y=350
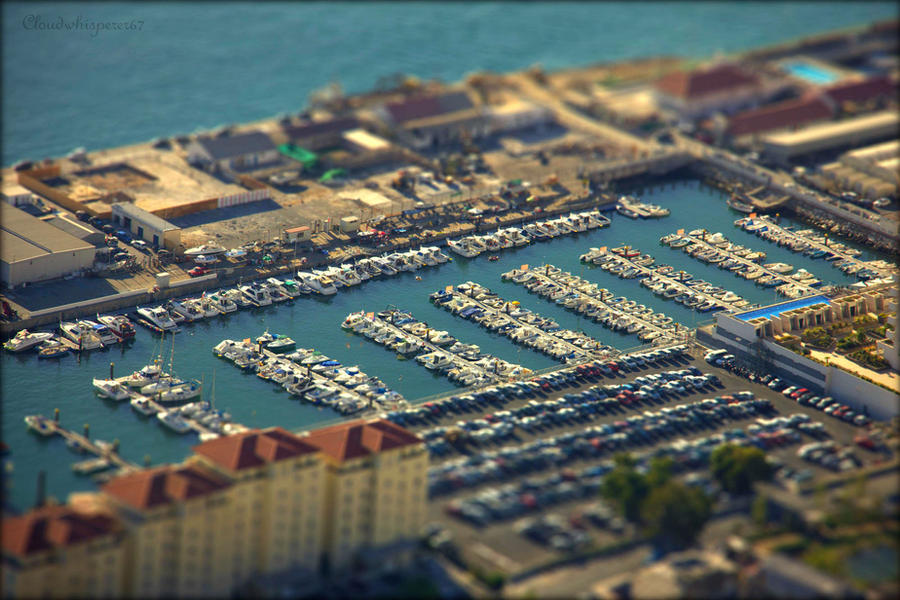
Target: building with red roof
x=872, y=89
x=422, y=121
x=788, y=114
x=281, y=493
x=55, y=548
x=724, y=88
x=376, y=491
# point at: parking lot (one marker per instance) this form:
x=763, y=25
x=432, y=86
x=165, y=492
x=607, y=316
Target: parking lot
x=515, y=480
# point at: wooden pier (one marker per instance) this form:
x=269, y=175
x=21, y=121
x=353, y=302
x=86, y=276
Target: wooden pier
x=580, y=354
x=670, y=281
x=110, y=454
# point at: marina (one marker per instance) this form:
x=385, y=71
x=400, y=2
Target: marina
x=436, y=350
x=311, y=376
x=816, y=245
x=717, y=249
x=599, y=304
x=107, y=455
x=479, y=304
x=260, y=406
x=663, y=280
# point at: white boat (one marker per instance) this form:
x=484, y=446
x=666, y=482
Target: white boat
x=257, y=294
x=186, y=309
x=81, y=334
x=235, y=296
x=145, y=376
x=118, y=324
x=319, y=284
x=25, y=340
x=384, y=265
x=206, y=259
x=463, y=248
x=143, y=406
x=171, y=420
x=205, y=250
x=222, y=302
x=158, y=317
x=110, y=388
x=179, y=393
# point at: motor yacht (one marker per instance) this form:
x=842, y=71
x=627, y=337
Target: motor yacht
x=178, y=393
x=174, y=422
x=320, y=284
x=187, y=309
x=256, y=294
x=111, y=388
x=81, y=334
x=144, y=406
x=25, y=340
x=119, y=325
x=205, y=250
x=223, y=303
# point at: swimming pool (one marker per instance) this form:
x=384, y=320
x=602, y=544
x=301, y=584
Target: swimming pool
x=777, y=309
x=810, y=72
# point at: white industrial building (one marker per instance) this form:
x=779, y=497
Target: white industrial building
x=33, y=250
x=146, y=226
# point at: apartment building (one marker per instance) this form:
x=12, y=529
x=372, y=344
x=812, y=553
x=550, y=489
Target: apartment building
x=376, y=493
x=57, y=551
x=180, y=538
x=245, y=507
x=278, y=498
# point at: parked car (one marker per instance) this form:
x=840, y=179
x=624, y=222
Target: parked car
x=198, y=271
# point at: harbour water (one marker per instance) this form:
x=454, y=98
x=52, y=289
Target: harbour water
x=179, y=67
x=30, y=386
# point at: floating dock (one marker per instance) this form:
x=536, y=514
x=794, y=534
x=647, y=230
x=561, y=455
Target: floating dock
x=477, y=303
x=601, y=305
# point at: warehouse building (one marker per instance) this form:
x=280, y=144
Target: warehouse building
x=873, y=171
x=79, y=229
x=782, y=147
x=146, y=226
x=33, y=250
x=426, y=121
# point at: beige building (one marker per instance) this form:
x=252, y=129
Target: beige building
x=278, y=498
x=376, y=493
x=180, y=531
x=32, y=250
x=57, y=551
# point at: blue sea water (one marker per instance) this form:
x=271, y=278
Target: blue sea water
x=192, y=66
x=176, y=67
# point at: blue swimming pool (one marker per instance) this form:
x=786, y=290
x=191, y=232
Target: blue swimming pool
x=777, y=309
x=810, y=72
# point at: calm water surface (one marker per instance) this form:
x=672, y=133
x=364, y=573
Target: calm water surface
x=30, y=386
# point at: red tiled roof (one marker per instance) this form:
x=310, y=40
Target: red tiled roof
x=53, y=527
x=253, y=448
x=695, y=84
x=779, y=116
x=360, y=438
x=428, y=106
x=164, y=485
x=860, y=91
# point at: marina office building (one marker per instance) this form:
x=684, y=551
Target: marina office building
x=32, y=250
x=245, y=507
x=751, y=335
x=144, y=225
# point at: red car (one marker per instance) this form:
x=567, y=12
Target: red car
x=799, y=393
x=198, y=271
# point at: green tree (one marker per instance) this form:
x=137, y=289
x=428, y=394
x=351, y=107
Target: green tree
x=660, y=471
x=675, y=513
x=625, y=487
x=737, y=468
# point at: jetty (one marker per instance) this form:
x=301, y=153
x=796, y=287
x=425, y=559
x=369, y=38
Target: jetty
x=479, y=304
x=106, y=455
x=463, y=364
x=701, y=243
x=603, y=306
x=818, y=245
x=664, y=280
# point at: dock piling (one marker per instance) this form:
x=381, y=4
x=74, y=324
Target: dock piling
x=112, y=367
x=87, y=431
x=56, y=415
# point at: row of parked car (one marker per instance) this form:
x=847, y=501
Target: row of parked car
x=534, y=494
x=591, y=442
x=830, y=455
x=499, y=395
x=799, y=393
x=597, y=400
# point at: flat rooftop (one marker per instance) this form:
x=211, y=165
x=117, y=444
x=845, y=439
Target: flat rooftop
x=777, y=309
x=826, y=131
x=25, y=237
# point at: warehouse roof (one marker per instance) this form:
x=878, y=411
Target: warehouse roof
x=231, y=146
x=428, y=106
x=779, y=116
x=826, y=131
x=702, y=82
x=26, y=237
x=139, y=214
